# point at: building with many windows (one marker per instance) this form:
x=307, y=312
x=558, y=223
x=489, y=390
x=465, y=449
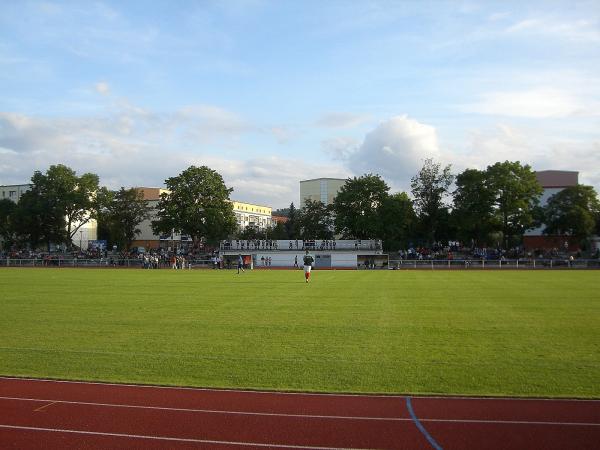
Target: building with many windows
x=552, y=181
x=246, y=214
x=147, y=238
x=320, y=189
x=13, y=191
x=87, y=232
x=251, y=215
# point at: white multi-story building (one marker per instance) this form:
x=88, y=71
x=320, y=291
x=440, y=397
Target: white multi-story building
x=246, y=214
x=87, y=232
x=320, y=189
x=552, y=181
x=13, y=191
x=251, y=215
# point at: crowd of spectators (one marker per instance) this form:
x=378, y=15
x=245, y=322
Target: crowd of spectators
x=455, y=250
x=162, y=257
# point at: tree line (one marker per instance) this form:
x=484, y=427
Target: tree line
x=59, y=203
x=483, y=207
x=487, y=207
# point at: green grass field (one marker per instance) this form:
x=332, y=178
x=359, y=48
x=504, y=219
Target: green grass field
x=449, y=332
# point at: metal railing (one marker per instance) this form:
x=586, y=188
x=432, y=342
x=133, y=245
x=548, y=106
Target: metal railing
x=395, y=264
x=399, y=264
x=101, y=262
x=300, y=244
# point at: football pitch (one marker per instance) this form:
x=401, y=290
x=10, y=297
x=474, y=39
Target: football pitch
x=529, y=333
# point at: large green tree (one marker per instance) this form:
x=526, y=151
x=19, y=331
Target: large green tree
x=197, y=205
x=397, y=218
x=429, y=189
x=38, y=220
x=473, y=212
x=356, y=207
x=572, y=211
x=316, y=220
x=291, y=226
x=278, y=231
x=7, y=225
x=61, y=201
x=122, y=213
x=516, y=194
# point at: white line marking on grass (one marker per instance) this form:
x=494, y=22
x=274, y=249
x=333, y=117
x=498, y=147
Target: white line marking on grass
x=167, y=438
x=316, y=394
x=302, y=416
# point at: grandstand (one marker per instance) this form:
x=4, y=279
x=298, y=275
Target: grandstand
x=329, y=254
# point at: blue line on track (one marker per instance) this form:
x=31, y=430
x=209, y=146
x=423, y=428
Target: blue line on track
x=421, y=428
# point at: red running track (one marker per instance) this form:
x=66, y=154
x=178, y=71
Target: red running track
x=45, y=414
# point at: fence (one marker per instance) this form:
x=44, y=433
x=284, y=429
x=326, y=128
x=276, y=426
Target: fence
x=300, y=244
x=495, y=264
x=395, y=264
x=103, y=262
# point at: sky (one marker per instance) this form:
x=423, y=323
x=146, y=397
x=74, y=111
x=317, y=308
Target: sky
x=269, y=93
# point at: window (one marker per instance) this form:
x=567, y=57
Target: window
x=12, y=194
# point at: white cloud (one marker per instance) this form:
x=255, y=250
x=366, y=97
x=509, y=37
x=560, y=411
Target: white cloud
x=136, y=147
x=533, y=103
x=282, y=134
x=102, y=88
x=498, y=16
x=529, y=146
x=269, y=180
x=395, y=149
x=340, y=148
x=341, y=120
x=580, y=30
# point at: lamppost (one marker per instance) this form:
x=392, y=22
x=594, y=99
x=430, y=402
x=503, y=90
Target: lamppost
x=80, y=238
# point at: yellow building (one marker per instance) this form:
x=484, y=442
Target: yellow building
x=246, y=214
x=251, y=215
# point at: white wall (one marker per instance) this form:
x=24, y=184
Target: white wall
x=286, y=259
x=343, y=260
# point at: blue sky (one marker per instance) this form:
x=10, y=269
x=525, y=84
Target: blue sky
x=272, y=92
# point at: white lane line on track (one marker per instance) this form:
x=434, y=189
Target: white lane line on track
x=315, y=394
x=167, y=438
x=513, y=422
x=208, y=411
x=303, y=416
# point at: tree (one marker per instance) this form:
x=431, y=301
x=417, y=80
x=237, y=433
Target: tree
x=37, y=220
x=473, y=206
x=291, y=225
x=7, y=226
x=197, y=205
x=316, y=221
x=516, y=193
x=429, y=187
x=279, y=232
x=397, y=217
x=62, y=202
x=125, y=209
x=249, y=233
x=356, y=207
x=572, y=211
